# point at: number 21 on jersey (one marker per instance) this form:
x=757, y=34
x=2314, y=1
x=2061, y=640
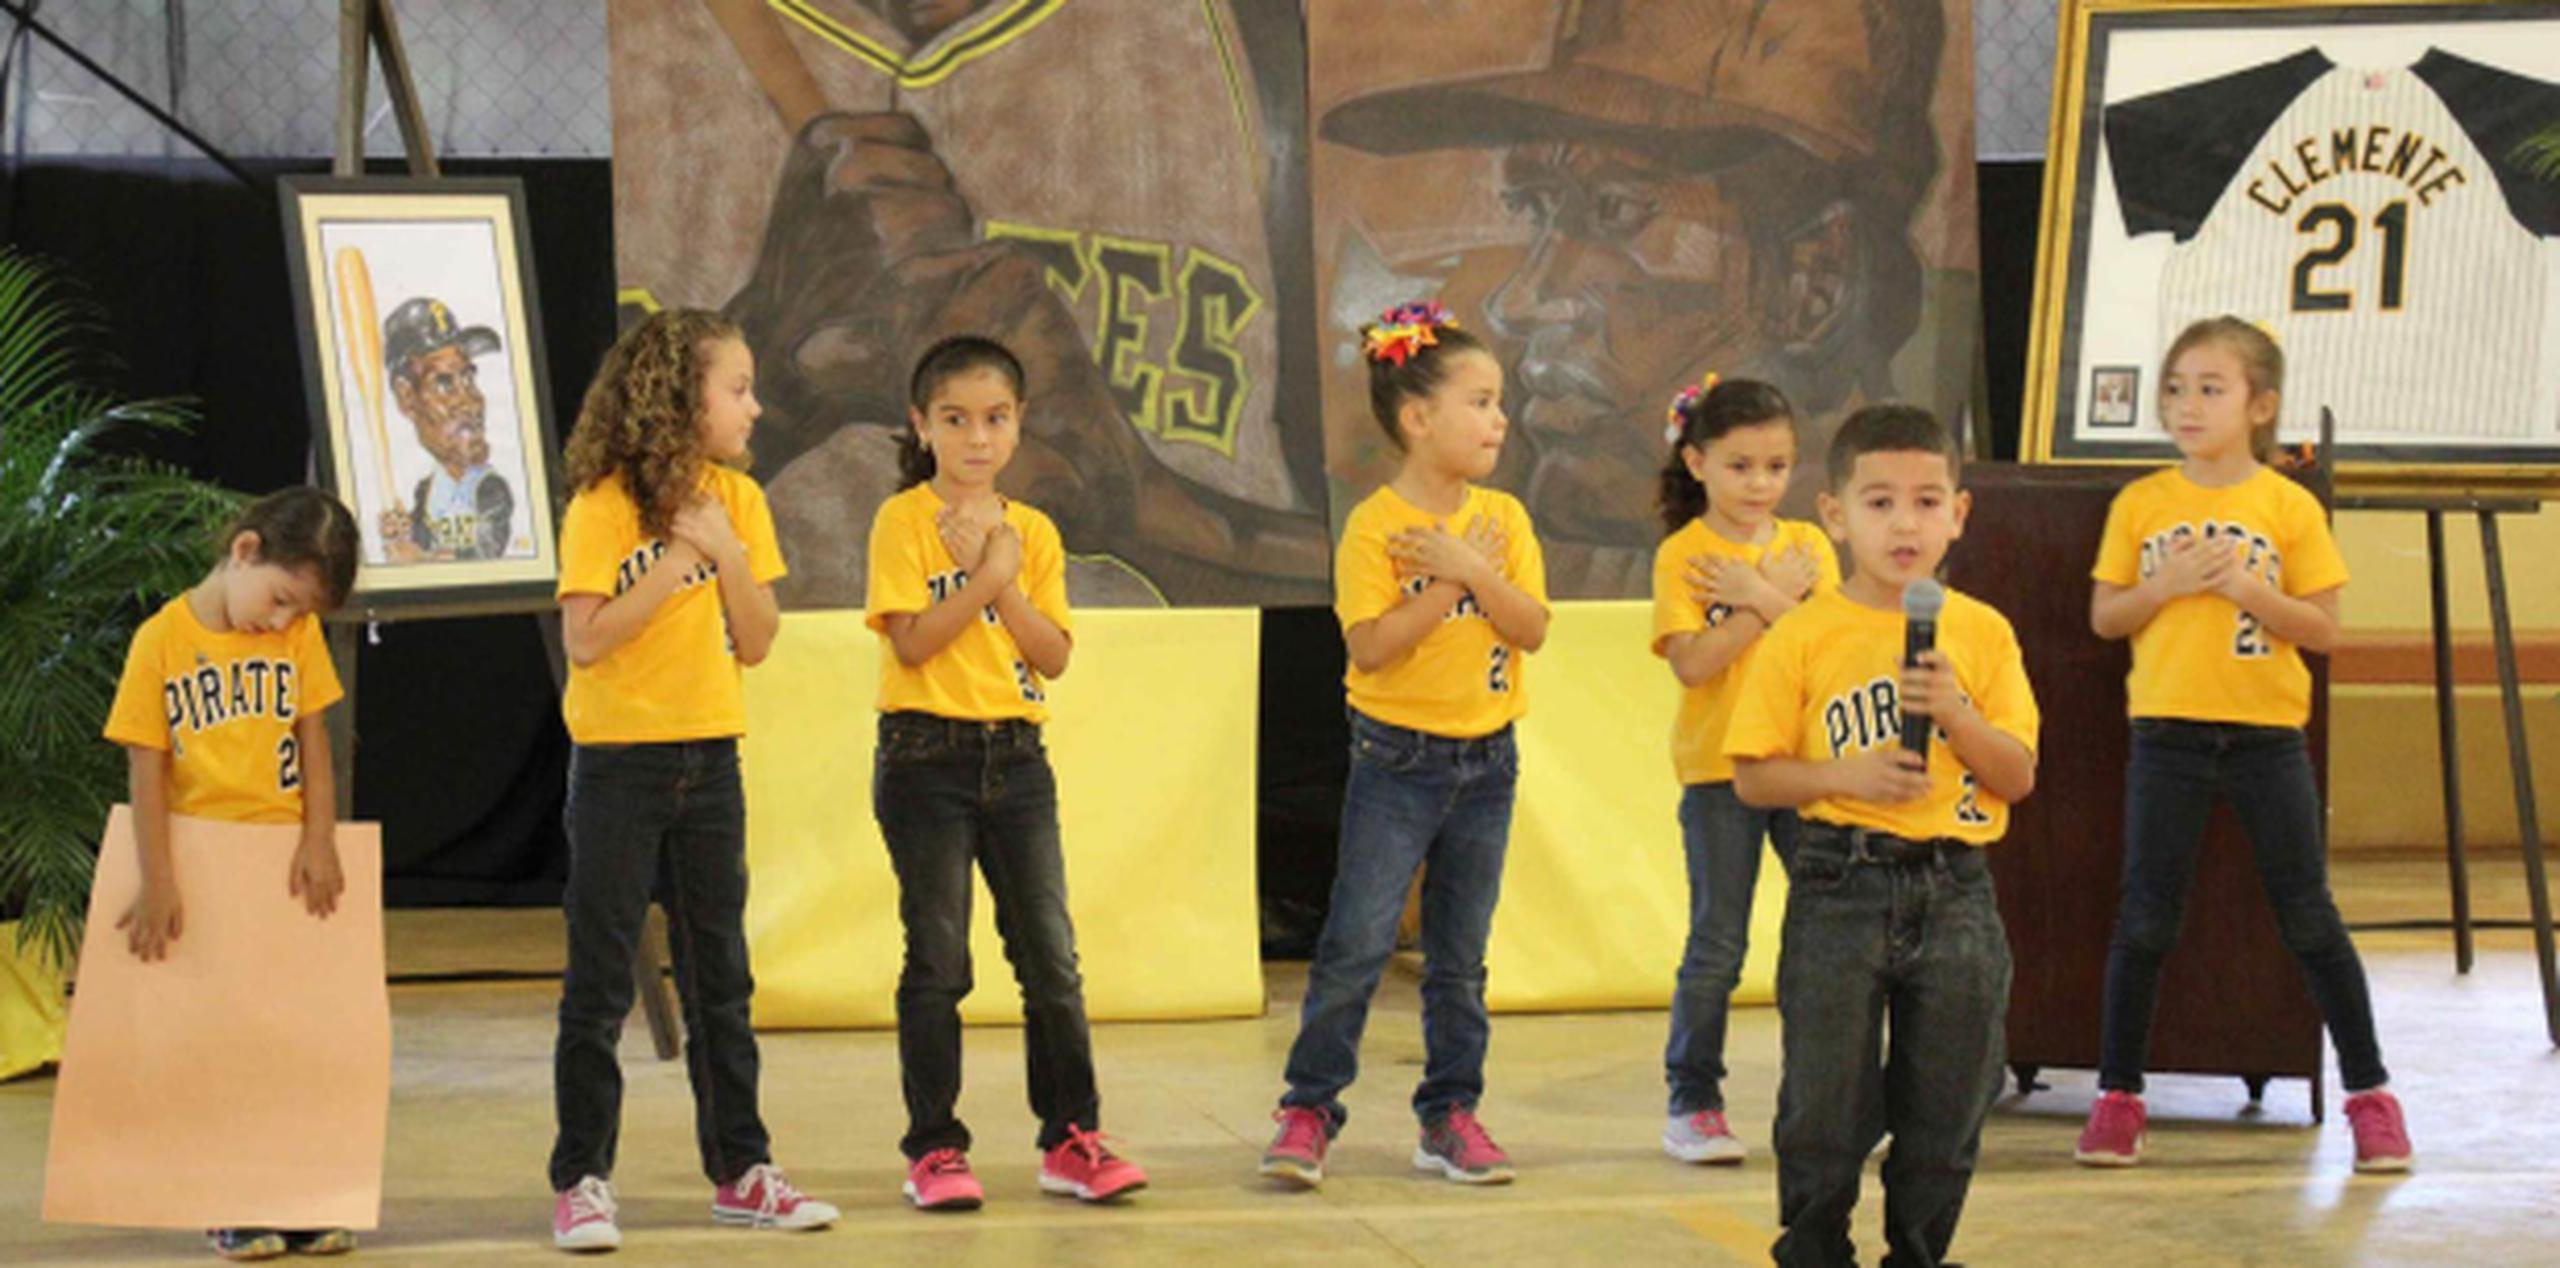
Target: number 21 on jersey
x=2313, y=293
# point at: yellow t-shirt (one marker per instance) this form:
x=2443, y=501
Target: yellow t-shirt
x=223, y=705
x=1824, y=685
x=678, y=678
x=980, y=674
x=2201, y=658
x=1697, y=735
x=1462, y=680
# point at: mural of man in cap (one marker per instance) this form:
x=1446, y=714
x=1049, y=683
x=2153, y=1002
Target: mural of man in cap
x=1710, y=185
x=463, y=509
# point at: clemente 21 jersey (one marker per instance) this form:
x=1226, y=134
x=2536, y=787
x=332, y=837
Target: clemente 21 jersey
x=2376, y=220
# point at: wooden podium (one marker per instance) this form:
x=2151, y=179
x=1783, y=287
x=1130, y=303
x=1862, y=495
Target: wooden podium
x=2232, y=1001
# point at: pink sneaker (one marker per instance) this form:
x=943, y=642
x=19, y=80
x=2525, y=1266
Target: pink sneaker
x=582, y=1217
x=1086, y=1168
x=1297, y=1152
x=941, y=1181
x=763, y=1199
x=2117, y=1126
x=2382, y=1136
x=1457, y=1147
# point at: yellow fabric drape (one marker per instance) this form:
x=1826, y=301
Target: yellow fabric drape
x=1595, y=899
x=1152, y=736
x=32, y=1007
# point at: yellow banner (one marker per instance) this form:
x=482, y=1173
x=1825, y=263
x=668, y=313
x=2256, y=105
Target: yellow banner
x=1595, y=900
x=1153, y=741
x=32, y=1006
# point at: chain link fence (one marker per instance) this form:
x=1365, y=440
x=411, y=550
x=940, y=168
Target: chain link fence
x=2013, y=45
x=258, y=78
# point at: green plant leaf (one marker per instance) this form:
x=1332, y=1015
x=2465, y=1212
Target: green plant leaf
x=93, y=538
x=2540, y=153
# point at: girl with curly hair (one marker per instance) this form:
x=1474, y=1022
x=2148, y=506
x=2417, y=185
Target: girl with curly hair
x=667, y=564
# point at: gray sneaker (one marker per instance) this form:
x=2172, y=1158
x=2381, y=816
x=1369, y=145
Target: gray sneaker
x=1701, y=1137
x=1457, y=1147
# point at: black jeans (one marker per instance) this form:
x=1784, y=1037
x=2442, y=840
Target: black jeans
x=1868, y=940
x=949, y=793
x=2177, y=771
x=668, y=820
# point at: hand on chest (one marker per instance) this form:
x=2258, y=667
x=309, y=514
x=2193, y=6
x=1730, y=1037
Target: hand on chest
x=2251, y=549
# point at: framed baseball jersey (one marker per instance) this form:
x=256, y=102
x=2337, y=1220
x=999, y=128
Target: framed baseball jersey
x=2375, y=184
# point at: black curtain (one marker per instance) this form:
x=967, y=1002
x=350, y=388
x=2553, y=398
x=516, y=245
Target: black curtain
x=462, y=756
x=2012, y=198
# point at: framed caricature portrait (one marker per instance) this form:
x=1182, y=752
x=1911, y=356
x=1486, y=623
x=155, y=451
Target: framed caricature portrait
x=2376, y=184
x=422, y=354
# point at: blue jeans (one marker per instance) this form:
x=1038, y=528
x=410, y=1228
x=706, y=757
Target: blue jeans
x=1412, y=799
x=2177, y=771
x=952, y=794
x=1918, y=943
x=1722, y=838
x=669, y=820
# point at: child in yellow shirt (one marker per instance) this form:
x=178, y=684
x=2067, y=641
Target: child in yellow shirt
x=219, y=712
x=2222, y=571
x=1726, y=570
x=1441, y=590
x=968, y=592
x=1890, y=912
x=667, y=564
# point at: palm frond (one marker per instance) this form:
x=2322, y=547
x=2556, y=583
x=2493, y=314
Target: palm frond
x=2540, y=153
x=93, y=536
x=42, y=324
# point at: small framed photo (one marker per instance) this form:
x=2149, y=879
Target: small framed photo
x=2115, y=396
x=422, y=355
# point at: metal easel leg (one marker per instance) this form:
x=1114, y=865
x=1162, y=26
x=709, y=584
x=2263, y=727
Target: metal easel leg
x=2449, y=747
x=2520, y=762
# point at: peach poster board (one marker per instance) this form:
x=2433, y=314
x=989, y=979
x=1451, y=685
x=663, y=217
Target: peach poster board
x=246, y=1079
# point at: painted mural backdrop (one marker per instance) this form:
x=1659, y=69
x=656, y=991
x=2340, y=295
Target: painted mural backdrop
x=852, y=181
x=1179, y=212
x=1625, y=196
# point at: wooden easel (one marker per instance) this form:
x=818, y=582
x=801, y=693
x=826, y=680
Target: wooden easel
x=367, y=27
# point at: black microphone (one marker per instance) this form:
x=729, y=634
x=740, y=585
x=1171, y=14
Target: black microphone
x=1922, y=600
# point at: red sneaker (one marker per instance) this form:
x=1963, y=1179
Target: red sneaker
x=582, y=1217
x=942, y=1181
x=1459, y=1148
x=2382, y=1136
x=763, y=1199
x=2117, y=1127
x=1083, y=1166
x=1297, y=1152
